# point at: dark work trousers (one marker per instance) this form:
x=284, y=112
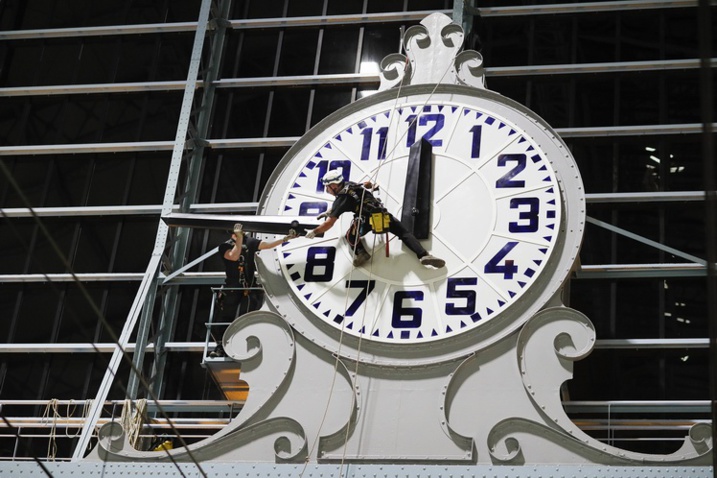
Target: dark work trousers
x=232, y=304
x=360, y=227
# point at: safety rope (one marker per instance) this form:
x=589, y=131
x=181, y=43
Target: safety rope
x=132, y=418
x=373, y=179
x=70, y=412
x=51, y=413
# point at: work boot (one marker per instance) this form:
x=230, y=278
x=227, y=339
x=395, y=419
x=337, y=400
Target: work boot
x=361, y=257
x=430, y=260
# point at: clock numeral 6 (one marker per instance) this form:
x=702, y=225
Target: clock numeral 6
x=324, y=166
x=406, y=317
x=319, y=264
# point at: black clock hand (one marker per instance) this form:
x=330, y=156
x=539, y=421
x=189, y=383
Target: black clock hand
x=264, y=224
x=416, y=213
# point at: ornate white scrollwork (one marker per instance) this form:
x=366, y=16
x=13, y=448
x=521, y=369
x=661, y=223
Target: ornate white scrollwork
x=433, y=55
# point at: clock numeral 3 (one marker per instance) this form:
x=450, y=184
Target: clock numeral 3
x=531, y=215
x=319, y=264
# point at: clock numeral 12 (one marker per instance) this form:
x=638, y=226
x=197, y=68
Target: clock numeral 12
x=438, y=121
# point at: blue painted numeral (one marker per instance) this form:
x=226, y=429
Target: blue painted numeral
x=406, y=317
x=493, y=266
x=366, y=287
x=507, y=181
x=477, y=131
x=312, y=208
x=368, y=141
x=438, y=121
x=530, y=215
x=468, y=295
x=319, y=264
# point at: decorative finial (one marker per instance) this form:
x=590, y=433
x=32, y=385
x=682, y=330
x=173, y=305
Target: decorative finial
x=434, y=55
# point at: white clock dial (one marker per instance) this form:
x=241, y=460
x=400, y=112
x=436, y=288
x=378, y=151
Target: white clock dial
x=497, y=216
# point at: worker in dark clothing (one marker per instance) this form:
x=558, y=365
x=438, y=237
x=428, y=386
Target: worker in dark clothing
x=241, y=293
x=367, y=210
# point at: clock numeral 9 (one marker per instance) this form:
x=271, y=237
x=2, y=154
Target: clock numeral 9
x=319, y=264
x=324, y=166
x=406, y=317
x=312, y=208
x=438, y=121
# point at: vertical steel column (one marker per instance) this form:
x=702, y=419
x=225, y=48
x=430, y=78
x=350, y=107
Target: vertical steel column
x=710, y=184
x=463, y=13
x=190, y=194
x=150, y=275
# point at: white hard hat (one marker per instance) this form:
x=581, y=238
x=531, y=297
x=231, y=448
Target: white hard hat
x=333, y=177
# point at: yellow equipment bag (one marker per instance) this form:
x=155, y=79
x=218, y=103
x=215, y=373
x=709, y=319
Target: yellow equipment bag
x=380, y=222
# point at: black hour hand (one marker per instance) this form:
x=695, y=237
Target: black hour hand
x=416, y=213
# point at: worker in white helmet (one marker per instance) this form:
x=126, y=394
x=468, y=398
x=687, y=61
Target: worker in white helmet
x=358, y=199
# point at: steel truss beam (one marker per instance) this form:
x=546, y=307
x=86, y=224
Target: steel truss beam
x=288, y=141
x=199, y=347
x=347, y=78
x=251, y=207
x=603, y=271
x=354, y=470
x=327, y=20
x=141, y=210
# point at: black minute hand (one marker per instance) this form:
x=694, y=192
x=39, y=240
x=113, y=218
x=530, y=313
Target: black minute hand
x=264, y=224
x=416, y=213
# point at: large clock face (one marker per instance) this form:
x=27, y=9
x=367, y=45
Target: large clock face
x=497, y=216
